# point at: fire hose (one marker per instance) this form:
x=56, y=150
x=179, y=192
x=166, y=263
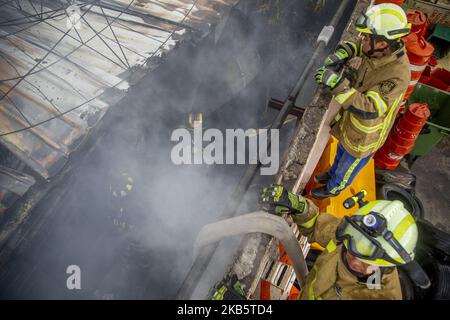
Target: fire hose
x=205, y=255
x=261, y=222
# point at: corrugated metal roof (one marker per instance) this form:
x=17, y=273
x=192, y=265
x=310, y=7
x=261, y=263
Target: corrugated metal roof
x=58, y=58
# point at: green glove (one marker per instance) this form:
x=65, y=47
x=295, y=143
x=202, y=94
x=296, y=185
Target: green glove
x=282, y=201
x=227, y=290
x=337, y=59
x=328, y=77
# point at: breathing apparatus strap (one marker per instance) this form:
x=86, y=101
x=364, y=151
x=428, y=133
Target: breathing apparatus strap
x=417, y=274
x=389, y=237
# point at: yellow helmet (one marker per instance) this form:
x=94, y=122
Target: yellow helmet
x=382, y=233
x=195, y=119
x=385, y=19
x=121, y=185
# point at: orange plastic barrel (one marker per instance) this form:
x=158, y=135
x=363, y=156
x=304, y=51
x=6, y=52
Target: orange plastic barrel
x=419, y=53
x=419, y=22
x=414, y=118
x=419, y=50
x=402, y=137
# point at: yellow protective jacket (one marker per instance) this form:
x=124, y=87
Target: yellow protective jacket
x=370, y=100
x=329, y=278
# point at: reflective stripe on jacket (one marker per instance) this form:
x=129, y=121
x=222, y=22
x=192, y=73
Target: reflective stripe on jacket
x=329, y=278
x=370, y=103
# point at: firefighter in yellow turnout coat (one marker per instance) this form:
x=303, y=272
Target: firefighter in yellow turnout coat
x=370, y=96
x=361, y=253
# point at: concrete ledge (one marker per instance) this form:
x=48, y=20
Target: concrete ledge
x=309, y=141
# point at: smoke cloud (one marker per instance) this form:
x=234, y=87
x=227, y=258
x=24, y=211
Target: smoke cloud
x=258, y=52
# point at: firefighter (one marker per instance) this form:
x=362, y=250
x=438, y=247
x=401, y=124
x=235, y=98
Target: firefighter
x=227, y=289
x=370, y=96
x=361, y=253
x=120, y=188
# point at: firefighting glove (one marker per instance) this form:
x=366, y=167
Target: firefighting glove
x=328, y=77
x=278, y=201
x=337, y=59
x=227, y=290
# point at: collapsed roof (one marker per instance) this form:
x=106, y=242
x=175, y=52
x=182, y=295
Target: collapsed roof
x=63, y=63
